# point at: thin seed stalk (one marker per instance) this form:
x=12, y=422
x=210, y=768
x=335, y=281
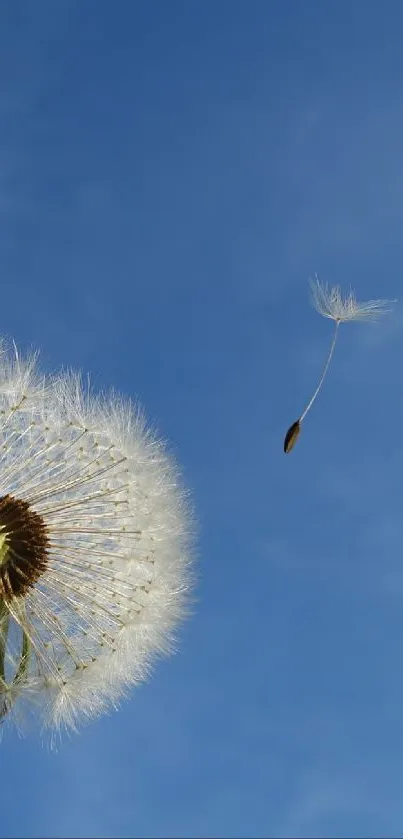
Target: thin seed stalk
x=294, y=430
x=325, y=369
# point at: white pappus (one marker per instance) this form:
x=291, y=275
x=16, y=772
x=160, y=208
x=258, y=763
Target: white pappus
x=95, y=547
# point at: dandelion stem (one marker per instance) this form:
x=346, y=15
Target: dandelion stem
x=325, y=369
x=4, y=620
x=22, y=670
x=24, y=660
x=4, y=616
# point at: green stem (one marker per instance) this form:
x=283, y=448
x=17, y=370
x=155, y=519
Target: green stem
x=22, y=669
x=4, y=621
x=24, y=660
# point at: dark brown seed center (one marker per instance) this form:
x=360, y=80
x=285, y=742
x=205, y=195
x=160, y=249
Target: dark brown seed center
x=24, y=547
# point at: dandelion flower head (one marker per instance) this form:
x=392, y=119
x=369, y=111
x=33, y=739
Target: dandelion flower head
x=95, y=567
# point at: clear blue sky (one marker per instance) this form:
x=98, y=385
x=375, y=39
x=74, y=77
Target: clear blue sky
x=171, y=174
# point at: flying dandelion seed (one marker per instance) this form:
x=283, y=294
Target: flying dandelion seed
x=330, y=303
x=95, y=568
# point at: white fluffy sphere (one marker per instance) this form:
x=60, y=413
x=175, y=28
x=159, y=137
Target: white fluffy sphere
x=95, y=567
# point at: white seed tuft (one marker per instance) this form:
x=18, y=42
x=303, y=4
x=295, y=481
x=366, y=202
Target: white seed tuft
x=330, y=303
x=118, y=563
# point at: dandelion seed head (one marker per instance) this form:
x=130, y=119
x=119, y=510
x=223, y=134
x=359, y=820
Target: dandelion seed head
x=95, y=547
x=331, y=303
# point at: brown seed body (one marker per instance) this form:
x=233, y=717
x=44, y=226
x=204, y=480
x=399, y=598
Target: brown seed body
x=25, y=548
x=292, y=436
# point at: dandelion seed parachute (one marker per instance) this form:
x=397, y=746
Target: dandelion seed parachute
x=95, y=548
x=330, y=303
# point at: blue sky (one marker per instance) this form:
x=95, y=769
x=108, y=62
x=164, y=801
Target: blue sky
x=171, y=174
